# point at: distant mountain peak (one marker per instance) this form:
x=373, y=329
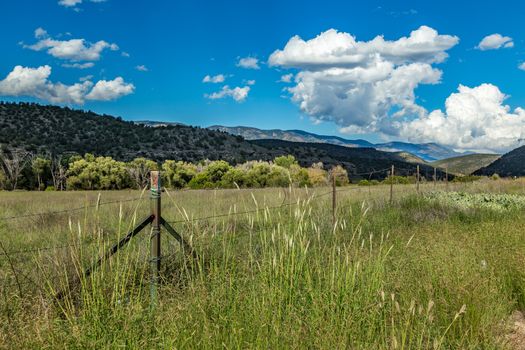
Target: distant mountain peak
x=425, y=151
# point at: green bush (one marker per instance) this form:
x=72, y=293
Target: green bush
x=397, y=180
x=235, y=177
x=285, y=161
x=100, y=173
x=178, y=174
x=467, y=178
x=259, y=174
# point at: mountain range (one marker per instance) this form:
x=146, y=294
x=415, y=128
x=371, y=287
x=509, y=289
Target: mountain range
x=427, y=151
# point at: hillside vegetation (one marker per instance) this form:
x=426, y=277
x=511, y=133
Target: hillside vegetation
x=61, y=130
x=362, y=163
x=466, y=165
x=509, y=165
x=50, y=130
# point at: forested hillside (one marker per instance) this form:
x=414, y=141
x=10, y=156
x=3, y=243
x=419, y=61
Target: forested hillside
x=52, y=131
x=57, y=130
x=510, y=164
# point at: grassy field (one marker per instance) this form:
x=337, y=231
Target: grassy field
x=420, y=273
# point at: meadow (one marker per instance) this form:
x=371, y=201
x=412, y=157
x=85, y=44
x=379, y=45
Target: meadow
x=433, y=270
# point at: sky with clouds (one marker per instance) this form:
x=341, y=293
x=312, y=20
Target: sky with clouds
x=445, y=72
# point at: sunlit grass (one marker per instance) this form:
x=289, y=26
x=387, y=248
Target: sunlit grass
x=415, y=274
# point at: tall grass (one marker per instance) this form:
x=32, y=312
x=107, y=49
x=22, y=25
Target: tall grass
x=413, y=275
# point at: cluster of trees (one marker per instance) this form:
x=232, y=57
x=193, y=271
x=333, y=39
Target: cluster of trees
x=22, y=170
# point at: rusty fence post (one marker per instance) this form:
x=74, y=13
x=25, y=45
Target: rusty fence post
x=155, y=249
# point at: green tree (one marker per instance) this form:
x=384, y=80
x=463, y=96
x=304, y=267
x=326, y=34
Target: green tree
x=299, y=176
x=3, y=180
x=285, y=161
x=278, y=177
x=235, y=177
x=177, y=174
x=139, y=171
x=317, y=175
x=40, y=167
x=341, y=175
x=216, y=170
x=100, y=173
x=258, y=174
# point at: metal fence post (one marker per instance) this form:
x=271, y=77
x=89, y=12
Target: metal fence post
x=155, y=250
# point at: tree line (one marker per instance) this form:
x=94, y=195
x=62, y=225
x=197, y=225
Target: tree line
x=24, y=170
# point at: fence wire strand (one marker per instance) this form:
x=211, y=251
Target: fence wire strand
x=69, y=210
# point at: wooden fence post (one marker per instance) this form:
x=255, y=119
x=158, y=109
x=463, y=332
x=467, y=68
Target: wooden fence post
x=155, y=249
x=446, y=178
x=417, y=179
x=392, y=174
x=334, y=200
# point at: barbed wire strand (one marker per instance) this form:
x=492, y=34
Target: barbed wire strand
x=69, y=210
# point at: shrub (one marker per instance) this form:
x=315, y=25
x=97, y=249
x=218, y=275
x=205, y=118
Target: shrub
x=234, y=177
x=259, y=174
x=278, y=177
x=317, y=176
x=101, y=173
x=399, y=180
x=285, y=161
x=178, y=174
x=467, y=178
x=341, y=175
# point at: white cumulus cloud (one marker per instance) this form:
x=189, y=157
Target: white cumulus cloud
x=494, y=42
x=72, y=50
x=107, y=90
x=248, y=63
x=34, y=82
x=522, y=66
x=239, y=94
x=219, y=78
x=142, y=68
x=474, y=119
x=337, y=49
x=362, y=85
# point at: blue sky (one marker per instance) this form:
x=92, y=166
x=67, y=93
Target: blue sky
x=162, y=50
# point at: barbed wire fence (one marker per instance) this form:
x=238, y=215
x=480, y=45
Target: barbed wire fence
x=26, y=280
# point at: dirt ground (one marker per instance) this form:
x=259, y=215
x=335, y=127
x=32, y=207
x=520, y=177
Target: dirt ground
x=516, y=338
